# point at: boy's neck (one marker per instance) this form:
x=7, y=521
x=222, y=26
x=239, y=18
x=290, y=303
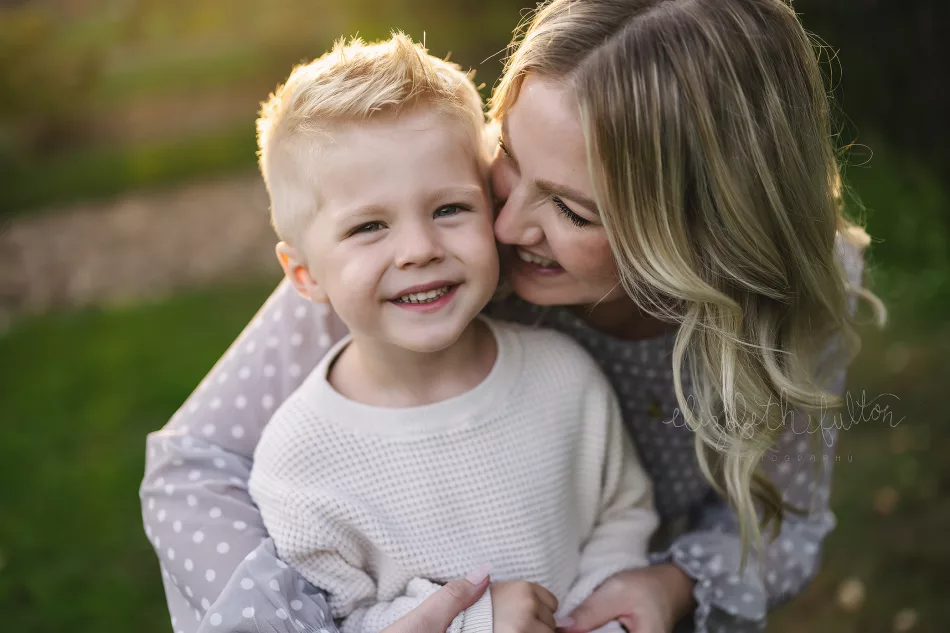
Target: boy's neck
x=388, y=376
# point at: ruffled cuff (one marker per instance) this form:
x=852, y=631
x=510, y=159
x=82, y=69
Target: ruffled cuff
x=726, y=601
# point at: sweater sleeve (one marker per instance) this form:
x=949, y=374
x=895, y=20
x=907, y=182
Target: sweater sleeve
x=626, y=517
x=196, y=509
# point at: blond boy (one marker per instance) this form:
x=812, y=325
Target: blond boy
x=431, y=440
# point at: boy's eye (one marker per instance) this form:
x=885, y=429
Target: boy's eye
x=449, y=210
x=369, y=227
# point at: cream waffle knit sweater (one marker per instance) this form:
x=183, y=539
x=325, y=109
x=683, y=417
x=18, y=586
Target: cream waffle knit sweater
x=529, y=471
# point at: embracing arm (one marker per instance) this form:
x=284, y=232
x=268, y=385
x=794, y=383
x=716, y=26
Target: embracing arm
x=216, y=562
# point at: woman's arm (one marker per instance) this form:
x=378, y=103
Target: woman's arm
x=195, y=503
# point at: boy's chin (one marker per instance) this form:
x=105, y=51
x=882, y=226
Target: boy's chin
x=429, y=342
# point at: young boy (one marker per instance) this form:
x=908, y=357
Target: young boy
x=431, y=440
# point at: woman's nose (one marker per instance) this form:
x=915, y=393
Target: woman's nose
x=515, y=225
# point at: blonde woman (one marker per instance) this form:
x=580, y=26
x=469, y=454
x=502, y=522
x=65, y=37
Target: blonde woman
x=668, y=195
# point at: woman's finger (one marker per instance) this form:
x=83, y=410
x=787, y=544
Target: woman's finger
x=435, y=613
x=593, y=613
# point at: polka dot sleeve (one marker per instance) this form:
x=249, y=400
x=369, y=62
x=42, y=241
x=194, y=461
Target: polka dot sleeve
x=196, y=508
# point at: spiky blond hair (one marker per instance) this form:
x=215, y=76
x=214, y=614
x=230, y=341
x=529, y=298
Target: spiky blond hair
x=353, y=82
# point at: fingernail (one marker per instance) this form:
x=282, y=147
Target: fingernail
x=563, y=623
x=479, y=574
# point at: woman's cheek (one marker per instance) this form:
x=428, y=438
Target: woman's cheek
x=588, y=256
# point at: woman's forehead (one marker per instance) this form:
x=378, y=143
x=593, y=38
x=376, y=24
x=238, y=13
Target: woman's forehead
x=544, y=133
x=550, y=98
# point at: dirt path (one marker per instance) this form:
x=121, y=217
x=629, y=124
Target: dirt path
x=141, y=245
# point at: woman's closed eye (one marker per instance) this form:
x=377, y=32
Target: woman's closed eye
x=572, y=217
x=504, y=148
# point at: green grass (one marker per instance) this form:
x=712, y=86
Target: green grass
x=78, y=393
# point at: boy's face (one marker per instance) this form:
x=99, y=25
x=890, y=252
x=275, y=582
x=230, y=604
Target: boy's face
x=402, y=244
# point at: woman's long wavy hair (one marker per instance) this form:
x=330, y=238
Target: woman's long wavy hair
x=712, y=159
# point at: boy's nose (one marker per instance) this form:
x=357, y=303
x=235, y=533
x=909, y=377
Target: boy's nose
x=418, y=247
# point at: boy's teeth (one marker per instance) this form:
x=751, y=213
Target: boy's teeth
x=423, y=297
x=531, y=258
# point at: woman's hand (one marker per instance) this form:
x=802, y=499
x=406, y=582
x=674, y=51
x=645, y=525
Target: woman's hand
x=435, y=613
x=647, y=600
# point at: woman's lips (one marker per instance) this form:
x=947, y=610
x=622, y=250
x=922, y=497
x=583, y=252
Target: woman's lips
x=535, y=264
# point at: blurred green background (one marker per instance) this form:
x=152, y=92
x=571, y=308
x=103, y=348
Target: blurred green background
x=135, y=246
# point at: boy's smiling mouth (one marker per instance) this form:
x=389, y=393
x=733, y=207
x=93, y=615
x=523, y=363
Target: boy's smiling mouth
x=424, y=297
x=431, y=295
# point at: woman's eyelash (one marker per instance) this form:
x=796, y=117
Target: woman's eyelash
x=572, y=217
x=504, y=148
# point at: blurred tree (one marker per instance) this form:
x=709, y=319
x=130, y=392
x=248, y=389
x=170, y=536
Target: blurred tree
x=44, y=88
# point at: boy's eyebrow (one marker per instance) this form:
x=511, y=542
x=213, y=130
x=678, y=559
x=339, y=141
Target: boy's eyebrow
x=546, y=186
x=441, y=196
x=360, y=211
x=445, y=193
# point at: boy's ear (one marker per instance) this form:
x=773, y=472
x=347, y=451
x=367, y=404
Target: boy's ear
x=296, y=270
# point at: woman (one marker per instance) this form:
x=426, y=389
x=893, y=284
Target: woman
x=667, y=188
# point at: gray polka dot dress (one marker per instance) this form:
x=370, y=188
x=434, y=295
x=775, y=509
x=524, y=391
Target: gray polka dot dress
x=221, y=571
